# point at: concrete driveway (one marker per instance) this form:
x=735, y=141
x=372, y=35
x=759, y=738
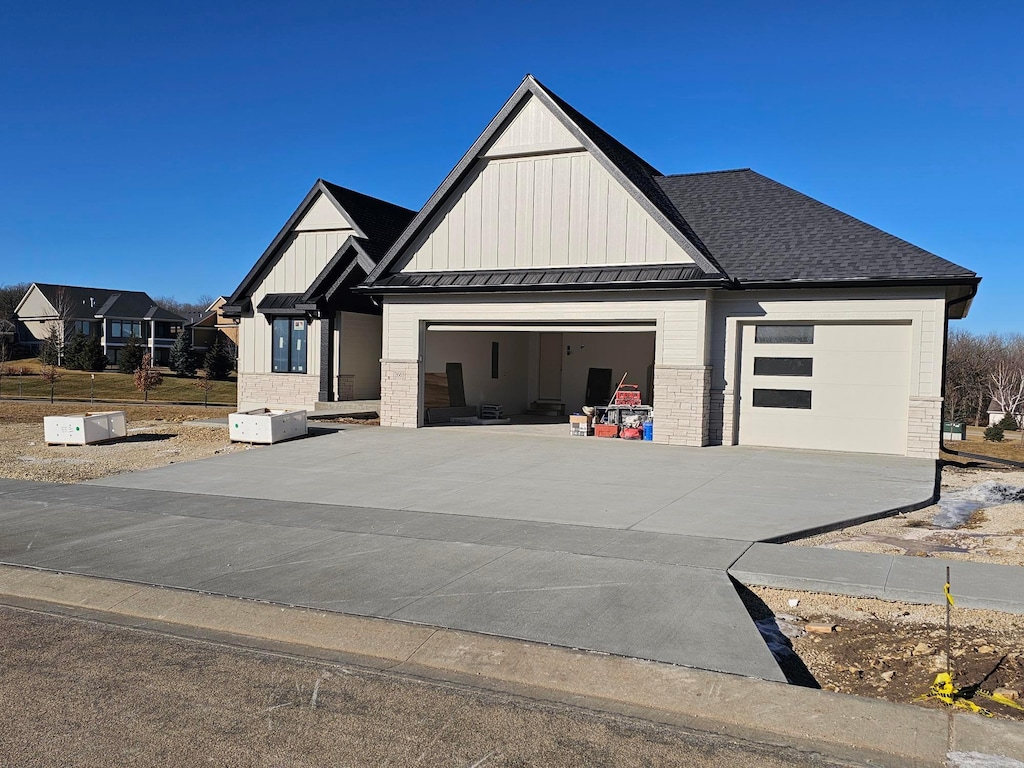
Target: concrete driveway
x=609, y=546
x=747, y=494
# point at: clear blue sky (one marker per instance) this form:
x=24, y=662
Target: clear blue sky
x=160, y=147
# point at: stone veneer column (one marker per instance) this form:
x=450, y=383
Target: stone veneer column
x=399, y=393
x=924, y=427
x=682, y=404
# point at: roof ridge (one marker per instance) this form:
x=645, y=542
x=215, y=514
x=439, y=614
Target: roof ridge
x=707, y=173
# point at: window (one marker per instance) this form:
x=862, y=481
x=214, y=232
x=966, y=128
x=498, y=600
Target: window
x=783, y=366
x=783, y=334
x=289, y=352
x=782, y=398
x=122, y=329
x=83, y=327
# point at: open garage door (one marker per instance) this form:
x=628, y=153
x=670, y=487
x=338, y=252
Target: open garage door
x=838, y=387
x=530, y=368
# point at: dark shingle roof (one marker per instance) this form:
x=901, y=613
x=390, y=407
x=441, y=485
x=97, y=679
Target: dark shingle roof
x=762, y=231
x=633, y=275
x=104, y=302
x=382, y=222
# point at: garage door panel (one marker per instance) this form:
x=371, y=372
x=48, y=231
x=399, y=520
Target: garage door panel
x=859, y=390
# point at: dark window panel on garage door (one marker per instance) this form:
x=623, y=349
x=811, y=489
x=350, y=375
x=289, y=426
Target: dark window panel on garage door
x=783, y=366
x=784, y=334
x=782, y=398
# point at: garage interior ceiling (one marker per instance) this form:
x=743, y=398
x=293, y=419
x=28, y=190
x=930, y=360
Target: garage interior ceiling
x=562, y=328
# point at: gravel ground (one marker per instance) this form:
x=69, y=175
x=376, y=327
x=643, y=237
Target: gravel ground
x=893, y=651
x=80, y=694
x=150, y=443
x=992, y=535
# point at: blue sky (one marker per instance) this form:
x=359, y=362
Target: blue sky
x=160, y=147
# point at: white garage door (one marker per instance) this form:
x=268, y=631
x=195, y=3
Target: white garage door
x=842, y=387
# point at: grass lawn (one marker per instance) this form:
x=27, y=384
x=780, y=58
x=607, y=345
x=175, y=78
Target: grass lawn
x=108, y=386
x=1010, y=448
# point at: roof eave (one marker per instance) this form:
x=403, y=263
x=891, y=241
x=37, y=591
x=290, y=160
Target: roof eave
x=625, y=285
x=879, y=282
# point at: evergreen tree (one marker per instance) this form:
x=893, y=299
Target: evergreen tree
x=49, y=354
x=91, y=357
x=218, y=361
x=130, y=357
x=74, y=352
x=183, y=359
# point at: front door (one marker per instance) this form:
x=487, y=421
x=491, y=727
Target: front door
x=549, y=385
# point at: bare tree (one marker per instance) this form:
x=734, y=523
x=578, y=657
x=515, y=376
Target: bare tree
x=970, y=360
x=1006, y=382
x=63, y=323
x=147, y=377
x=205, y=383
x=51, y=376
x=10, y=296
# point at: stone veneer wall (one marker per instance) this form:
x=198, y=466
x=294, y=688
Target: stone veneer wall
x=924, y=427
x=295, y=390
x=399, y=393
x=682, y=404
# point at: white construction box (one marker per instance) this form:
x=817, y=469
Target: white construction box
x=84, y=428
x=265, y=425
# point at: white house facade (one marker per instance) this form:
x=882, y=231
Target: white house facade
x=746, y=312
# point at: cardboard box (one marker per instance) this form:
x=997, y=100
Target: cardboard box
x=580, y=419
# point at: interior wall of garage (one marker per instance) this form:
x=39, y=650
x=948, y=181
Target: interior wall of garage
x=473, y=350
x=631, y=353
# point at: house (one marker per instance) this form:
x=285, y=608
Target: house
x=112, y=315
x=212, y=323
x=553, y=260
x=304, y=337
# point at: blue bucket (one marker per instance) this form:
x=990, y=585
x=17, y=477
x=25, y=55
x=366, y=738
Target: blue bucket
x=648, y=430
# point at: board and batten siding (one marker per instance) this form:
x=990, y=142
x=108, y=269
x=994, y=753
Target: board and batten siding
x=531, y=129
x=678, y=320
x=302, y=258
x=556, y=210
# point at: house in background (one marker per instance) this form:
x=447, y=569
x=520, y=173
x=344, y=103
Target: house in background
x=113, y=316
x=765, y=317
x=304, y=336
x=210, y=324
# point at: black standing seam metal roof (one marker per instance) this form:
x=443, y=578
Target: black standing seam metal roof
x=636, y=276
x=278, y=303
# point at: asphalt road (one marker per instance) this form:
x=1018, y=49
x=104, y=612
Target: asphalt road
x=78, y=693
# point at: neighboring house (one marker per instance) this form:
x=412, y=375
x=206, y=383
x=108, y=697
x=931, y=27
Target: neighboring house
x=747, y=312
x=113, y=316
x=212, y=323
x=303, y=336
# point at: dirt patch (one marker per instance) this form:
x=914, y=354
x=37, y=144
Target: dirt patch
x=893, y=651
x=157, y=436
x=992, y=534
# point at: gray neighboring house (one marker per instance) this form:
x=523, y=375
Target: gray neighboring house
x=747, y=312
x=113, y=316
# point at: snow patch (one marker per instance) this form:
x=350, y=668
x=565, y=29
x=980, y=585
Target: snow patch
x=956, y=508
x=980, y=760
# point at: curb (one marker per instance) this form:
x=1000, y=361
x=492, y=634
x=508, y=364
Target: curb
x=836, y=724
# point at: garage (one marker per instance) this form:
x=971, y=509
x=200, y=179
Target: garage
x=541, y=371
x=825, y=386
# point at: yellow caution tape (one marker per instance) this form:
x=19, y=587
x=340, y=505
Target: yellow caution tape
x=949, y=595
x=1002, y=700
x=944, y=690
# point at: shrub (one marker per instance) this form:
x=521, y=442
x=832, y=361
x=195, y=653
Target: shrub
x=147, y=377
x=1009, y=423
x=994, y=434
